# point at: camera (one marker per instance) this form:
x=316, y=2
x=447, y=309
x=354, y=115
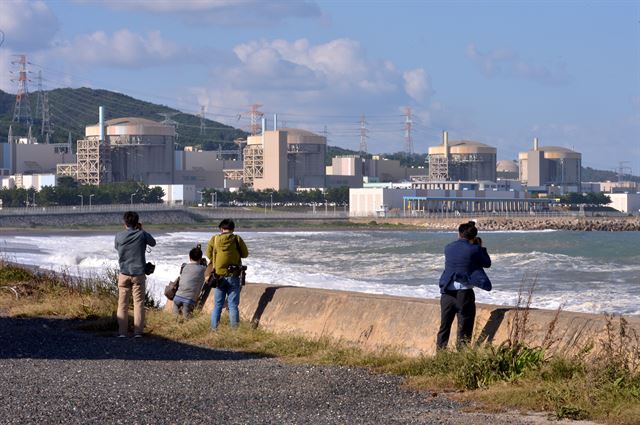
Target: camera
x=149, y=268
x=239, y=268
x=236, y=268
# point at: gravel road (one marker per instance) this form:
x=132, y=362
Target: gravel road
x=52, y=374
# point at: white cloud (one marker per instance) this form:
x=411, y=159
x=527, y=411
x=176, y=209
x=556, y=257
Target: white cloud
x=122, y=48
x=226, y=12
x=507, y=63
x=311, y=85
x=27, y=25
x=417, y=84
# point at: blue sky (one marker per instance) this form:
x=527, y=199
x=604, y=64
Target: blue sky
x=499, y=72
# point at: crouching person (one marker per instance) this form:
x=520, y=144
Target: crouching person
x=191, y=280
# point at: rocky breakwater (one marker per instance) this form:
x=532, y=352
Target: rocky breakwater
x=606, y=224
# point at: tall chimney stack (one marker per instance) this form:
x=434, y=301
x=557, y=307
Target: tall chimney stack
x=535, y=144
x=445, y=142
x=101, y=122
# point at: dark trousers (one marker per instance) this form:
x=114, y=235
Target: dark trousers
x=460, y=303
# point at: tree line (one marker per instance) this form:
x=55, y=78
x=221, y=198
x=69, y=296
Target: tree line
x=337, y=196
x=68, y=192
x=585, y=198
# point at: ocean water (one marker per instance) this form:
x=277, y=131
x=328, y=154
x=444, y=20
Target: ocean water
x=592, y=272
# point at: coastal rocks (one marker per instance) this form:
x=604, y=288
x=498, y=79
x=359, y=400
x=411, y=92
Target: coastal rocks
x=605, y=224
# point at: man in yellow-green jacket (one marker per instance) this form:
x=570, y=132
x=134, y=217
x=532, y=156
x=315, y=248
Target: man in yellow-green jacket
x=226, y=251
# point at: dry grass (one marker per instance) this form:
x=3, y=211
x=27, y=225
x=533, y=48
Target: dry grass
x=514, y=375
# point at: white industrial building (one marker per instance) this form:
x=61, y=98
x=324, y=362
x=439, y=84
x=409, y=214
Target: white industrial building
x=625, y=202
x=178, y=194
x=369, y=202
x=28, y=181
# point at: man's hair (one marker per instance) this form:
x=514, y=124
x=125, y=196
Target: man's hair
x=195, y=254
x=227, y=224
x=131, y=218
x=468, y=230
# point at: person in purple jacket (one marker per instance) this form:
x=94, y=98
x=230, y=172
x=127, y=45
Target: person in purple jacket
x=464, y=263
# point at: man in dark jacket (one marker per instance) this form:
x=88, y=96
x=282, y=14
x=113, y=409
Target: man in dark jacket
x=464, y=260
x=131, y=245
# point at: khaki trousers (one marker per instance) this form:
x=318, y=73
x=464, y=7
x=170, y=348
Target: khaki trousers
x=127, y=285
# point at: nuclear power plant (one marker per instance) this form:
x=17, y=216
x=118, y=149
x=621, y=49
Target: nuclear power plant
x=124, y=149
x=286, y=158
x=461, y=160
x=551, y=165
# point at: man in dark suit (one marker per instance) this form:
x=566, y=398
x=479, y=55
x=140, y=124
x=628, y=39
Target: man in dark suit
x=464, y=261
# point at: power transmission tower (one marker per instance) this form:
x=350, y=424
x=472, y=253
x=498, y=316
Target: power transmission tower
x=46, y=118
x=168, y=120
x=408, y=138
x=621, y=170
x=39, y=93
x=253, y=115
x=363, y=135
x=22, y=108
x=325, y=133
x=202, y=124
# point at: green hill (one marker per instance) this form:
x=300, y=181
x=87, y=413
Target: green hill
x=73, y=109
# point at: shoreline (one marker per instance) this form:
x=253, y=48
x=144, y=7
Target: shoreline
x=159, y=224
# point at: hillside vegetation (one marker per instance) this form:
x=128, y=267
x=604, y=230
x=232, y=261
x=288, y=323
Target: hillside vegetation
x=73, y=109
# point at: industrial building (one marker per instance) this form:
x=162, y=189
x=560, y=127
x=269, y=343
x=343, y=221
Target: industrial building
x=282, y=159
x=124, y=149
x=367, y=202
x=26, y=156
x=28, y=181
x=507, y=169
x=625, y=202
x=353, y=170
x=547, y=166
x=203, y=169
x=461, y=160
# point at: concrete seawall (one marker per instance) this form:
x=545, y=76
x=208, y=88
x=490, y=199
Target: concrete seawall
x=95, y=219
x=408, y=324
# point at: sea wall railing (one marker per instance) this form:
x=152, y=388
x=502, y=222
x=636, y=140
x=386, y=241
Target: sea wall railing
x=83, y=209
x=204, y=212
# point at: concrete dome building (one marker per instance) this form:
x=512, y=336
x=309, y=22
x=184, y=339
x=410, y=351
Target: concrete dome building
x=462, y=160
x=507, y=169
x=306, y=153
x=138, y=149
x=550, y=165
x=287, y=158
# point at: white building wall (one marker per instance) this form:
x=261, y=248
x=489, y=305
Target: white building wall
x=625, y=202
x=178, y=194
x=28, y=181
x=371, y=201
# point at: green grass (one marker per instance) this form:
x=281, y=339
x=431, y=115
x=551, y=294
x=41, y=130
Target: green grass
x=603, y=386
